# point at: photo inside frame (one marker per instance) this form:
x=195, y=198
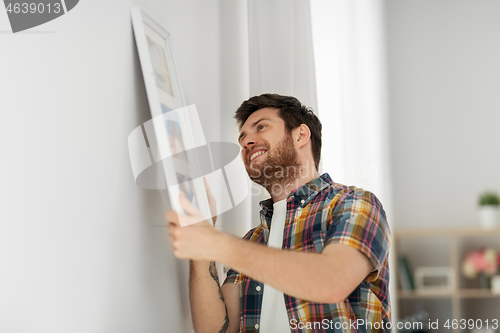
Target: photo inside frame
x=174, y=136
x=183, y=161
x=163, y=69
x=160, y=66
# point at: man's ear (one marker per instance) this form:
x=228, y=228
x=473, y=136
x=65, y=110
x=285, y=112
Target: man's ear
x=301, y=135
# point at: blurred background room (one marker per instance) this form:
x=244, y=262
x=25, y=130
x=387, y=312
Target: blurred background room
x=408, y=92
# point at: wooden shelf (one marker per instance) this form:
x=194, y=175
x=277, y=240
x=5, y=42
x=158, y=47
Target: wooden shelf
x=476, y=293
x=467, y=232
x=412, y=294
x=455, y=240
x=461, y=293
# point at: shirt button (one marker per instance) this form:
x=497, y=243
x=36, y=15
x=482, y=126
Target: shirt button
x=257, y=326
x=302, y=201
x=258, y=288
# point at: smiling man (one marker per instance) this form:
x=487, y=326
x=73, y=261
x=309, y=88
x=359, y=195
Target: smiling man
x=317, y=262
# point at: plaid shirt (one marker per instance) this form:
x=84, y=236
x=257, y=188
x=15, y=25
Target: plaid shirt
x=319, y=213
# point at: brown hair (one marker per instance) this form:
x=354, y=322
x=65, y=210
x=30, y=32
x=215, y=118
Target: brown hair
x=293, y=113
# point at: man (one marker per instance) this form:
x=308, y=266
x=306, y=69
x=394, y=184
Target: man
x=318, y=260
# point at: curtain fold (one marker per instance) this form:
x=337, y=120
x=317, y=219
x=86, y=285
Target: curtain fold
x=281, y=52
x=330, y=54
x=281, y=58
x=277, y=57
x=235, y=88
x=349, y=52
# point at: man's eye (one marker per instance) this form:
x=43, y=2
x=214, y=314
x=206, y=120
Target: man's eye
x=261, y=127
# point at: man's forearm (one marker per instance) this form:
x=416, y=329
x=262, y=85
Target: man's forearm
x=309, y=276
x=208, y=306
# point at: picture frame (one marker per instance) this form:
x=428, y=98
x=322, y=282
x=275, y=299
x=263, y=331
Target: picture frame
x=170, y=132
x=434, y=279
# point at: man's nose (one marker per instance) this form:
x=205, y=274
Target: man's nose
x=248, y=141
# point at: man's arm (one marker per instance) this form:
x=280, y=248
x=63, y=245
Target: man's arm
x=208, y=306
x=327, y=277
x=212, y=308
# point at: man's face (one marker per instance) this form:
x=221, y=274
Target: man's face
x=267, y=150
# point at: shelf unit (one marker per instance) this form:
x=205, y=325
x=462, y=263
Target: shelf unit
x=446, y=247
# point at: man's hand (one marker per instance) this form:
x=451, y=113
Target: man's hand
x=201, y=243
x=196, y=241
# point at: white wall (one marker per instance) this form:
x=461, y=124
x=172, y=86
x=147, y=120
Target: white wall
x=444, y=78
x=76, y=252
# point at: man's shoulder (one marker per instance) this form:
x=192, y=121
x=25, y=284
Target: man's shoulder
x=344, y=199
x=254, y=234
x=342, y=192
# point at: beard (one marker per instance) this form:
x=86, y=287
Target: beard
x=280, y=167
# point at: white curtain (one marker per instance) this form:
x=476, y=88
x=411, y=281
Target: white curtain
x=235, y=88
x=281, y=50
x=266, y=46
x=349, y=53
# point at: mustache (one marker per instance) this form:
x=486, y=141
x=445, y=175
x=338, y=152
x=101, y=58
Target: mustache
x=260, y=145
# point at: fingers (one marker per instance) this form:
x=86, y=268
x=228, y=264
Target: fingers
x=207, y=188
x=193, y=215
x=172, y=217
x=187, y=205
x=172, y=227
x=211, y=201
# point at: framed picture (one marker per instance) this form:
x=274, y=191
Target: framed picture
x=171, y=131
x=434, y=279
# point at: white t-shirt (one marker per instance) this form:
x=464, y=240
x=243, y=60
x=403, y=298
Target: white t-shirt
x=274, y=317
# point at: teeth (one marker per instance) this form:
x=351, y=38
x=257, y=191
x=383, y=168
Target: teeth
x=254, y=155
